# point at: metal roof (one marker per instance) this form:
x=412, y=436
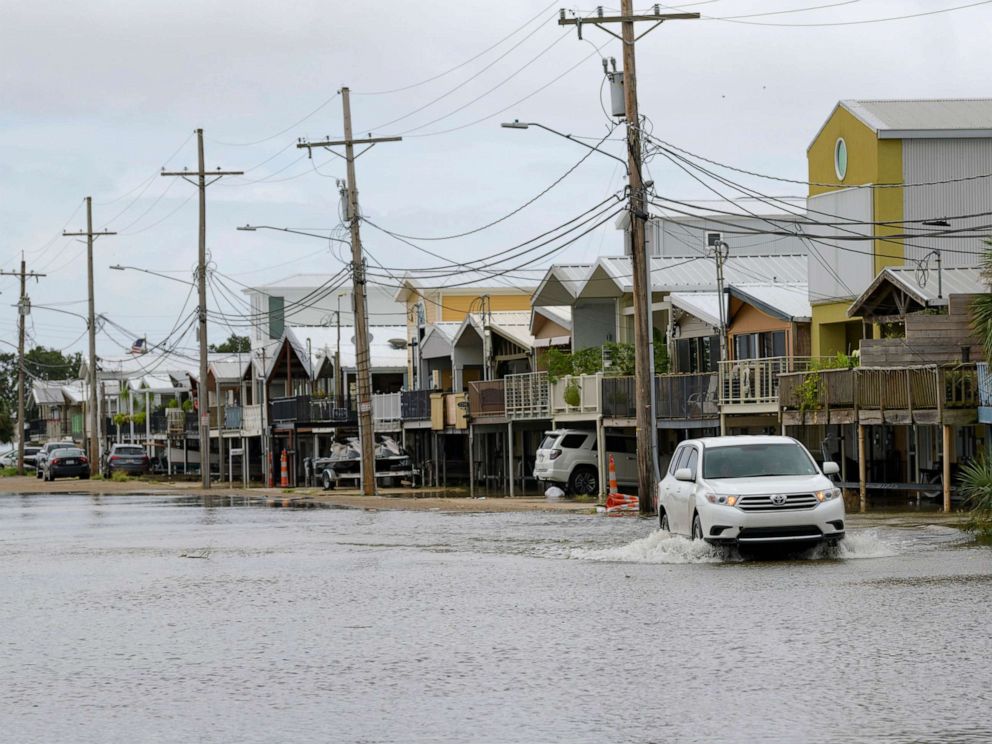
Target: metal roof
x=48, y=392
x=698, y=272
x=323, y=343
x=939, y=117
x=921, y=288
x=513, y=325
x=779, y=300
x=493, y=282
x=702, y=305
x=561, y=283
x=436, y=342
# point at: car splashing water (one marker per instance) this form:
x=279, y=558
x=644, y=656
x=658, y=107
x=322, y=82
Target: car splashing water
x=132, y=618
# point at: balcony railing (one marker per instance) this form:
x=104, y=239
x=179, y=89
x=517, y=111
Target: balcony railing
x=415, y=405
x=232, y=417
x=304, y=409
x=526, y=396
x=885, y=388
x=754, y=382
x=386, y=410
x=251, y=420
x=619, y=397
x=487, y=398
x=686, y=397
x=984, y=384
x=576, y=394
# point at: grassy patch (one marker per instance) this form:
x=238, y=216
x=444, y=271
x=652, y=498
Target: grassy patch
x=119, y=476
x=8, y=472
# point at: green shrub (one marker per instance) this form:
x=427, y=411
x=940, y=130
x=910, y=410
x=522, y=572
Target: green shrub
x=572, y=395
x=975, y=481
x=139, y=418
x=119, y=476
x=187, y=405
x=8, y=472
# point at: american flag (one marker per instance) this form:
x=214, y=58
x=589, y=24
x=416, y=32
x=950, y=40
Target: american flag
x=138, y=347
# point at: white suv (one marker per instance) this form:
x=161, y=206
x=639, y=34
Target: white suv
x=750, y=490
x=569, y=457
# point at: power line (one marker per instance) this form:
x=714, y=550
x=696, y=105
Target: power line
x=823, y=24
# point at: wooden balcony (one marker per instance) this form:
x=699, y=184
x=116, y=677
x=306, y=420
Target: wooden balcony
x=752, y=385
x=876, y=395
x=486, y=400
x=527, y=396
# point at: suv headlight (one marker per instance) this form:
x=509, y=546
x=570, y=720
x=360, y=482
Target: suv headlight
x=722, y=499
x=827, y=494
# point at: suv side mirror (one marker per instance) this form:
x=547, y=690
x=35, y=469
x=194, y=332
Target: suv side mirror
x=684, y=474
x=830, y=468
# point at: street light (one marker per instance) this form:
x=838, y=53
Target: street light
x=119, y=267
x=517, y=124
x=254, y=228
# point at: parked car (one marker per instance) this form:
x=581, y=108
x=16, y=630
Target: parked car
x=46, y=449
x=127, y=458
x=9, y=459
x=569, y=458
x=750, y=490
x=66, y=462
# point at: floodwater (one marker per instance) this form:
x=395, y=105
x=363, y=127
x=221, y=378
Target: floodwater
x=148, y=619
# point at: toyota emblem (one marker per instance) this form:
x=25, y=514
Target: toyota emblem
x=779, y=498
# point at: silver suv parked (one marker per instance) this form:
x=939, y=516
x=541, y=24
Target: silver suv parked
x=569, y=458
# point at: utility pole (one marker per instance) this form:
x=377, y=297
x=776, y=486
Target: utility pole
x=647, y=424
x=23, y=308
x=90, y=235
x=362, y=355
x=203, y=394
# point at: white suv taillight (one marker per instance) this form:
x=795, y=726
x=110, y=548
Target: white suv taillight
x=554, y=454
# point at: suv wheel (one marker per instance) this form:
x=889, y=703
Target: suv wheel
x=697, y=528
x=584, y=481
x=663, y=521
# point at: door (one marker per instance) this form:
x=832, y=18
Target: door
x=680, y=516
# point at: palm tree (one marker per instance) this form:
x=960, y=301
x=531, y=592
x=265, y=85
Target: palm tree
x=981, y=306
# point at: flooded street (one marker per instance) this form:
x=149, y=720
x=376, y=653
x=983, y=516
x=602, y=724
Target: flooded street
x=142, y=618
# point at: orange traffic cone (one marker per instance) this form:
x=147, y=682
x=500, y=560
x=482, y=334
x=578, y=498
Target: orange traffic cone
x=283, y=471
x=618, y=503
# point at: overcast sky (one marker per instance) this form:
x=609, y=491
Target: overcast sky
x=98, y=96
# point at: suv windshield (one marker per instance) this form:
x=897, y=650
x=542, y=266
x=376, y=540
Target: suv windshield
x=752, y=460
x=129, y=450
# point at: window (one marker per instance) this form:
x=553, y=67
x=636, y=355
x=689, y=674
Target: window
x=756, y=460
x=840, y=158
x=573, y=441
x=277, y=316
x=620, y=444
x=760, y=345
x=697, y=354
x=693, y=459
x=675, y=460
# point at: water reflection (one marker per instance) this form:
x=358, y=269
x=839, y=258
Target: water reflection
x=222, y=622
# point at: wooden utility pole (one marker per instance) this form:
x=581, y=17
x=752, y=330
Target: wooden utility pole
x=23, y=308
x=203, y=393
x=90, y=236
x=362, y=354
x=647, y=424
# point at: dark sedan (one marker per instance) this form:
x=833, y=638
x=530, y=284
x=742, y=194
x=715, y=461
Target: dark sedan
x=70, y=462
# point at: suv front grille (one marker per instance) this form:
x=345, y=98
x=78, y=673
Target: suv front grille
x=764, y=503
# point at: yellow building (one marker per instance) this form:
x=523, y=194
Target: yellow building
x=878, y=172
x=429, y=303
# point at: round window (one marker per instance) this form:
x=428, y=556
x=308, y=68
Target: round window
x=840, y=158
